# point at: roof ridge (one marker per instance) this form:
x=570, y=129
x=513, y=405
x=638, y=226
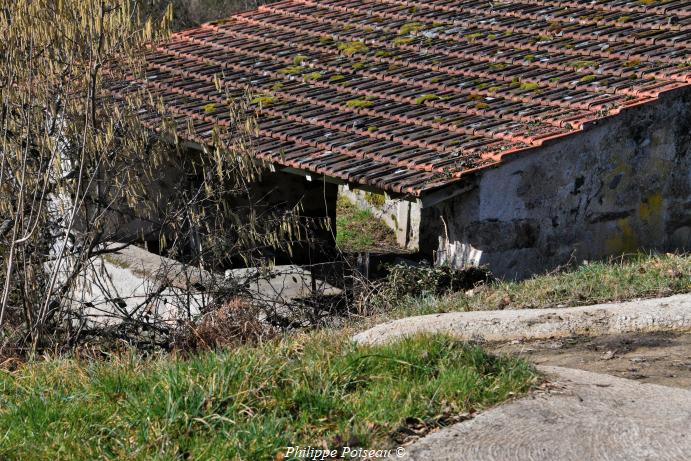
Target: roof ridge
x=627, y=67
x=637, y=6
x=474, y=18
x=648, y=7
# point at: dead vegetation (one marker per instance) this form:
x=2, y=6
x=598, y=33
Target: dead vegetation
x=76, y=163
x=234, y=323
x=190, y=13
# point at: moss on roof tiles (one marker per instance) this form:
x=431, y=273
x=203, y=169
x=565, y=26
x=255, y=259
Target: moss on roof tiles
x=352, y=48
x=327, y=57
x=359, y=103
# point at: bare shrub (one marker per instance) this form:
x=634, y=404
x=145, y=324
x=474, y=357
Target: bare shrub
x=412, y=281
x=189, y=13
x=235, y=322
x=76, y=163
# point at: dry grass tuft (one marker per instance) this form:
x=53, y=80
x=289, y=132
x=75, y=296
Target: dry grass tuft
x=234, y=323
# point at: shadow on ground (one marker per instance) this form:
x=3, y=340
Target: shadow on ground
x=659, y=357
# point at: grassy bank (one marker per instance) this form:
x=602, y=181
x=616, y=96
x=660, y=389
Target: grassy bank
x=246, y=404
x=620, y=279
x=360, y=230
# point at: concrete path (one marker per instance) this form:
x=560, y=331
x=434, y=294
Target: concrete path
x=662, y=314
x=583, y=416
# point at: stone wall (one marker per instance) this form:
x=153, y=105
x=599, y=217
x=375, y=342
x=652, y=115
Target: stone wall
x=622, y=185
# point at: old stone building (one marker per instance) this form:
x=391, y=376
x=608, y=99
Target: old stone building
x=623, y=185
x=520, y=135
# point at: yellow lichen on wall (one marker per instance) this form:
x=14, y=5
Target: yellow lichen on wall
x=625, y=240
x=650, y=210
x=650, y=215
x=621, y=166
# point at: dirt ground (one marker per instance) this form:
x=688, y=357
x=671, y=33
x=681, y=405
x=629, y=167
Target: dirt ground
x=658, y=358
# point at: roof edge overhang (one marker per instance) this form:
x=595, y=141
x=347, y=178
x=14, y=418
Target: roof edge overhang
x=311, y=176
x=468, y=180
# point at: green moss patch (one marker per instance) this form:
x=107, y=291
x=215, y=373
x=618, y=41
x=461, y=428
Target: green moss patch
x=264, y=100
x=581, y=64
x=336, y=78
x=403, y=40
x=411, y=27
x=311, y=76
x=425, y=98
x=359, y=103
x=298, y=59
x=529, y=86
x=352, y=48
x=292, y=70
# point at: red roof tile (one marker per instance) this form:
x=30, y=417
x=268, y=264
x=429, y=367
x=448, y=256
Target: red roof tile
x=408, y=96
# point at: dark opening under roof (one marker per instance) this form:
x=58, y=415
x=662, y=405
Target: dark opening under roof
x=409, y=96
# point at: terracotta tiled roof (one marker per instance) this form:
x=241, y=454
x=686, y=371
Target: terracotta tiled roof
x=409, y=96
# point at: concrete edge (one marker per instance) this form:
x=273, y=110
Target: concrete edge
x=661, y=314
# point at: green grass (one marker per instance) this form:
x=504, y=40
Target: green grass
x=360, y=230
x=620, y=279
x=248, y=403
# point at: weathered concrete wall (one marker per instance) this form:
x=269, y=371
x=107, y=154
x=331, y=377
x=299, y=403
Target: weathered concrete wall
x=402, y=216
x=139, y=220
x=622, y=185
x=133, y=282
